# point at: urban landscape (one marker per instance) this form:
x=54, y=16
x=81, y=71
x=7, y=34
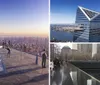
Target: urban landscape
x=30, y=45
x=21, y=63
x=49, y=42
x=24, y=42
x=85, y=29
x=75, y=42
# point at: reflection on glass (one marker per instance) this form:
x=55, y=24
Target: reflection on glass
x=70, y=75
x=73, y=75
x=89, y=82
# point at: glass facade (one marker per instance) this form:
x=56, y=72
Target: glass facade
x=90, y=25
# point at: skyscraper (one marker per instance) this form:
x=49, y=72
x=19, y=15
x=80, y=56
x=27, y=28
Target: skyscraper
x=90, y=25
x=52, y=51
x=65, y=51
x=85, y=48
x=98, y=48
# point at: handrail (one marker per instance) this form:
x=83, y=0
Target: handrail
x=85, y=73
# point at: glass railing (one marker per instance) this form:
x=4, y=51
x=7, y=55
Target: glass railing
x=2, y=66
x=68, y=74
x=79, y=77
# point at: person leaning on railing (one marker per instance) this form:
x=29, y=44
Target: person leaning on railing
x=9, y=51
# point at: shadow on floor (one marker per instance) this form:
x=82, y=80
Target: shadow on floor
x=37, y=79
x=20, y=66
x=22, y=71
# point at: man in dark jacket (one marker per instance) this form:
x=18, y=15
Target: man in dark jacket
x=44, y=55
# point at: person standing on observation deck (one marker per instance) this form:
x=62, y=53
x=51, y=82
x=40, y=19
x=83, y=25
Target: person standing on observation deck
x=44, y=55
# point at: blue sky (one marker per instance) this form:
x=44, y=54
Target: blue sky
x=24, y=17
x=64, y=11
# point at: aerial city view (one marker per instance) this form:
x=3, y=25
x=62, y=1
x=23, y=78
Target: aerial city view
x=24, y=42
x=75, y=42
x=75, y=22
x=49, y=42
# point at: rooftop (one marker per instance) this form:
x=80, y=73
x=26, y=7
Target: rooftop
x=90, y=14
x=22, y=70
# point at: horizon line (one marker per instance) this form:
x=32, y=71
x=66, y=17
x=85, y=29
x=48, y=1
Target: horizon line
x=22, y=35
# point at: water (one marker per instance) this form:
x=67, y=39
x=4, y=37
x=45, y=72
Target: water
x=62, y=36
x=76, y=36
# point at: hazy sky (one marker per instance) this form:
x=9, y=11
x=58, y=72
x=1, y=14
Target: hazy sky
x=24, y=17
x=64, y=44
x=64, y=11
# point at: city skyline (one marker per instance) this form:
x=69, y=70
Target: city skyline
x=75, y=46
x=24, y=18
x=64, y=11
x=61, y=45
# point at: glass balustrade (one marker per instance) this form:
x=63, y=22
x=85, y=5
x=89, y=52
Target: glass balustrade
x=69, y=74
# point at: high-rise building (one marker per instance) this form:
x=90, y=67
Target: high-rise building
x=65, y=51
x=85, y=48
x=52, y=51
x=89, y=21
x=98, y=48
x=74, y=46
